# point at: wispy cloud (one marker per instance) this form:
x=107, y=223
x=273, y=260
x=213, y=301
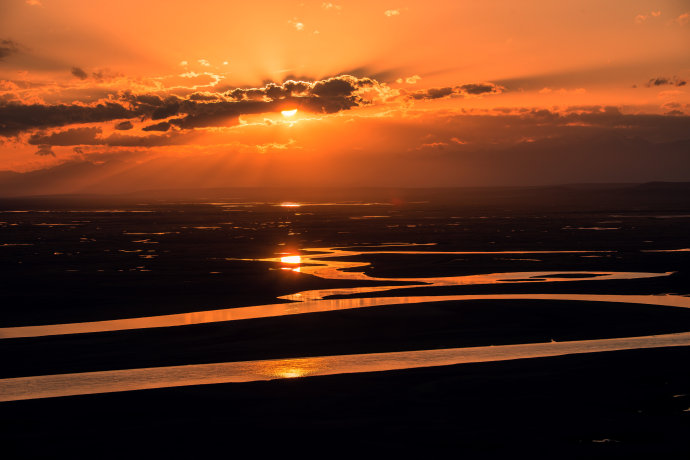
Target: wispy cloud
x=297, y=24
x=409, y=80
x=640, y=18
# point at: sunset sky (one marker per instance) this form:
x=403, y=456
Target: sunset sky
x=116, y=96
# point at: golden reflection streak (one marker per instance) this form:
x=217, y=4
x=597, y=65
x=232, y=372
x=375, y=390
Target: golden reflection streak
x=313, y=306
x=49, y=386
x=289, y=368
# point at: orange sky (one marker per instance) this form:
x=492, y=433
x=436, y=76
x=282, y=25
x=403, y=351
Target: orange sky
x=119, y=95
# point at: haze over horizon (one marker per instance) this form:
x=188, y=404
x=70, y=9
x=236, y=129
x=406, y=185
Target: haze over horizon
x=112, y=97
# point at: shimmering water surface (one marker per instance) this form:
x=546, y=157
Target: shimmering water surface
x=336, y=263
x=48, y=386
x=324, y=263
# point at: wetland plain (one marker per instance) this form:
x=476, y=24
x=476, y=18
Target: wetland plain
x=475, y=321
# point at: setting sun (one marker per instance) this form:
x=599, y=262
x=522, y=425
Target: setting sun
x=291, y=259
x=289, y=113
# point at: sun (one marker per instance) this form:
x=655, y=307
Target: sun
x=289, y=113
x=291, y=259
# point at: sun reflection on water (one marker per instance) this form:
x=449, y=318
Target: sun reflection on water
x=326, y=263
x=291, y=260
x=290, y=368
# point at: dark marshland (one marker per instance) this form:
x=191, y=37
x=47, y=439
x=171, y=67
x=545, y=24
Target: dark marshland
x=474, y=321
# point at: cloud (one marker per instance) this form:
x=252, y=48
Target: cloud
x=218, y=115
x=374, y=72
x=661, y=81
x=391, y=13
x=432, y=93
x=34, y=2
x=683, y=19
x=298, y=25
x=672, y=105
x=220, y=109
x=153, y=140
x=409, y=80
x=204, y=96
x=124, y=126
x=45, y=150
x=209, y=109
x=7, y=48
x=15, y=118
x=467, y=90
x=93, y=136
x=432, y=145
x=105, y=74
x=640, y=18
x=163, y=126
x=481, y=88
x=79, y=73
x=674, y=108
x=339, y=87
x=263, y=148
x=198, y=110
x=169, y=107
x=74, y=136
x=331, y=6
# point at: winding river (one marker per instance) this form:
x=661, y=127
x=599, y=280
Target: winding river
x=327, y=263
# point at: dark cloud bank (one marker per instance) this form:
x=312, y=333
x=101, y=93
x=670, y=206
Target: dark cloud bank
x=662, y=81
x=15, y=118
x=206, y=109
